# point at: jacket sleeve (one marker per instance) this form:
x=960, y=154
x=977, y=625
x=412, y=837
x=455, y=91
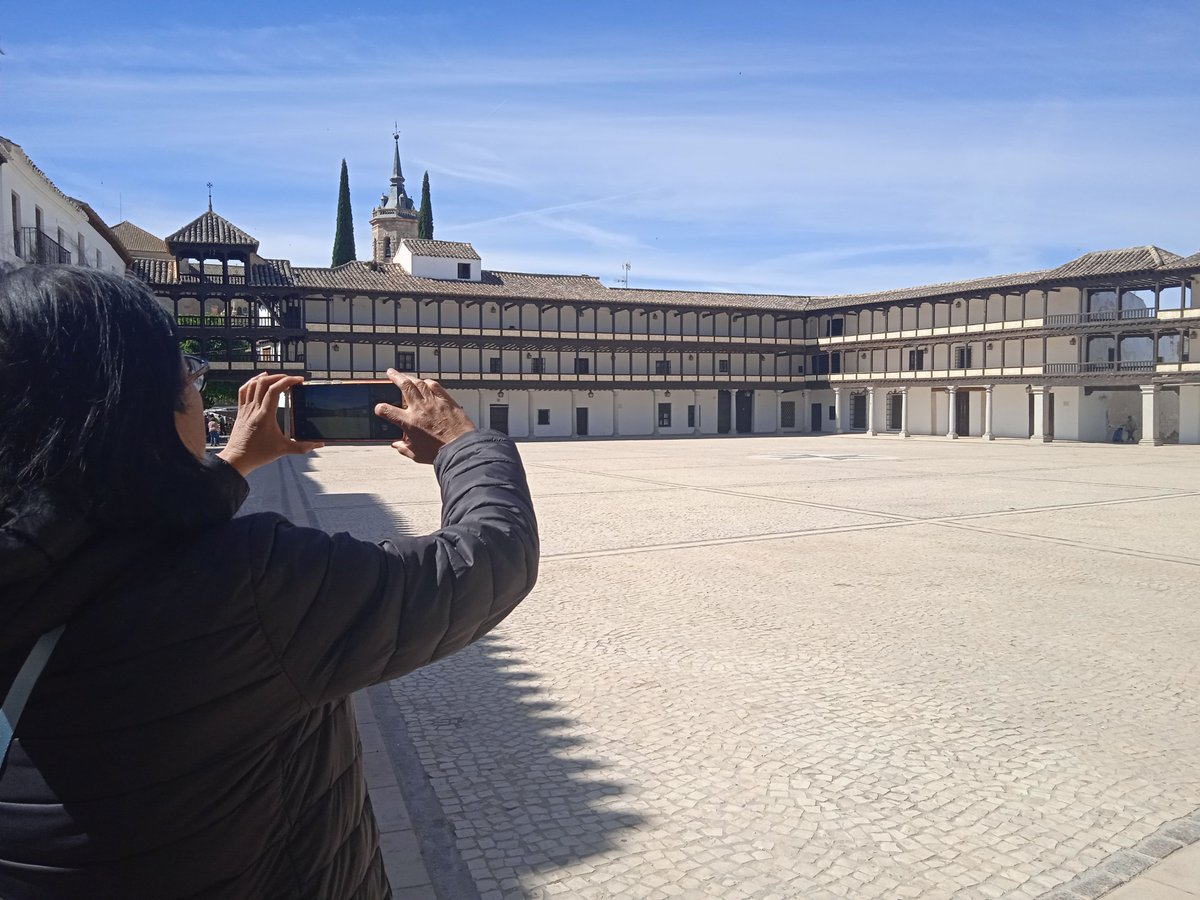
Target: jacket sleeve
x=341, y=613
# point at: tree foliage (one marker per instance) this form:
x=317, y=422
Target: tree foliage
x=425, y=220
x=343, y=239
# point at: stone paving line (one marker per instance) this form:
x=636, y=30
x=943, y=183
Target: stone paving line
x=898, y=733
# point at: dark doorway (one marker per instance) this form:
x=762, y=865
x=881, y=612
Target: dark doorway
x=962, y=413
x=895, y=407
x=787, y=414
x=498, y=417
x=581, y=420
x=858, y=412
x=745, y=411
x=815, y=417
x=1050, y=416
x=723, y=406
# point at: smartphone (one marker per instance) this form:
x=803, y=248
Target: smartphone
x=344, y=411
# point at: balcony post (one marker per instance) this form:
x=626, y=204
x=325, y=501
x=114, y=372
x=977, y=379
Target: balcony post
x=988, y=404
x=952, y=396
x=904, y=412
x=1150, y=433
x=871, y=430
x=838, y=418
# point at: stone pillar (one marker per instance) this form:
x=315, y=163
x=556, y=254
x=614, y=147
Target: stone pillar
x=1150, y=433
x=904, y=412
x=1041, y=414
x=951, y=397
x=571, y=394
x=871, y=429
x=839, y=419
x=696, y=404
x=1189, y=414
x=805, y=412
x=532, y=413
x=988, y=412
x=616, y=430
x=654, y=411
x=779, y=412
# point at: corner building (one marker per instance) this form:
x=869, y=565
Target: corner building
x=1097, y=349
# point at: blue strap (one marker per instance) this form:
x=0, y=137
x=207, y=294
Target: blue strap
x=31, y=670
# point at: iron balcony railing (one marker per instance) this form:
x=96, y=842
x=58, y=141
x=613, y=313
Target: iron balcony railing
x=1100, y=315
x=35, y=246
x=1096, y=368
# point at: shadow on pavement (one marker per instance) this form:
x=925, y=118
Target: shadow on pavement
x=500, y=788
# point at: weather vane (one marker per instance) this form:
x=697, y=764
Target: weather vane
x=210, y=196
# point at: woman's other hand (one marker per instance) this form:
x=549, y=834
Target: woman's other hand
x=256, y=438
x=430, y=417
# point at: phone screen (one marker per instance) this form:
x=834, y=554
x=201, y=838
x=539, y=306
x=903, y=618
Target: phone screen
x=344, y=412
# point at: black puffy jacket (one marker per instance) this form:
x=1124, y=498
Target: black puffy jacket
x=192, y=734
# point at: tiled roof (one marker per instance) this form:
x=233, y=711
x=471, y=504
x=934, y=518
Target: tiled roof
x=1112, y=262
x=263, y=273
x=782, y=302
x=947, y=289
x=209, y=228
x=138, y=240
x=444, y=249
x=361, y=276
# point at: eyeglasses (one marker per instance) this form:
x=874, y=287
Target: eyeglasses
x=197, y=370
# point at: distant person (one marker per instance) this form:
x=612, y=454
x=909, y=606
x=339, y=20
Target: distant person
x=1129, y=428
x=214, y=433
x=192, y=733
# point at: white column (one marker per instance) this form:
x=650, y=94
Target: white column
x=988, y=401
x=838, y=417
x=616, y=427
x=532, y=412
x=904, y=412
x=871, y=430
x=571, y=394
x=696, y=404
x=779, y=412
x=1189, y=414
x=1041, y=414
x=951, y=396
x=654, y=411
x=1150, y=415
x=805, y=412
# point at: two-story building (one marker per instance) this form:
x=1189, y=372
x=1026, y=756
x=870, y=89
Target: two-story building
x=1097, y=349
x=40, y=224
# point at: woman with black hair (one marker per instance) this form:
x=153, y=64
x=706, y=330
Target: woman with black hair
x=191, y=733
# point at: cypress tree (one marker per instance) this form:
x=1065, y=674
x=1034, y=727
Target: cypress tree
x=425, y=221
x=343, y=239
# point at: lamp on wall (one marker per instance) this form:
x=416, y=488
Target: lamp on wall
x=1071, y=342
x=667, y=394
x=591, y=393
x=499, y=395
x=691, y=356
x=336, y=347
x=990, y=345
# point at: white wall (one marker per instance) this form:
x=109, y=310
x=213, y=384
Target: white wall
x=1067, y=405
x=635, y=410
x=1189, y=414
x=766, y=412
x=559, y=405
x=34, y=190
x=434, y=266
x=1010, y=417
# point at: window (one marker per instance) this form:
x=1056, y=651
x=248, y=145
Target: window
x=537, y=365
x=464, y=270
x=664, y=415
x=832, y=413
x=79, y=248
x=387, y=248
x=787, y=414
x=691, y=416
x=494, y=365
x=16, y=221
x=582, y=365
x=722, y=366
x=543, y=417
x=962, y=357
x=835, y=328
x=800, y=367
x=406, y=361
x=916, y=360
x=662, y=367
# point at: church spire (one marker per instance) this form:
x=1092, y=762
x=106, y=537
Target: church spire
x=396, y=199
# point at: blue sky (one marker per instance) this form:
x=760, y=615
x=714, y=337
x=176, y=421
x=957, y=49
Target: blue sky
x=797, y=147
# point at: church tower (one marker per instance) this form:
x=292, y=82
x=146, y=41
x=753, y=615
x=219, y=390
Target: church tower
x=394, y=218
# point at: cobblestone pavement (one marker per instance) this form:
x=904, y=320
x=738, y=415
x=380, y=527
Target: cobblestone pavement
x=815, y=667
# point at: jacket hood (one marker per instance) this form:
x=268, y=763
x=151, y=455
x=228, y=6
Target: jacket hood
x=54, y=557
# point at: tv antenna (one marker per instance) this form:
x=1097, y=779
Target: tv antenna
x=625, y=277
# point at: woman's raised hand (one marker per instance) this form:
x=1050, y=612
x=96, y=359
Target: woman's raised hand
x=430, y=418
x=256, y=438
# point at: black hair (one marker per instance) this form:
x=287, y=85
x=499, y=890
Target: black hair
x=90, y=376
